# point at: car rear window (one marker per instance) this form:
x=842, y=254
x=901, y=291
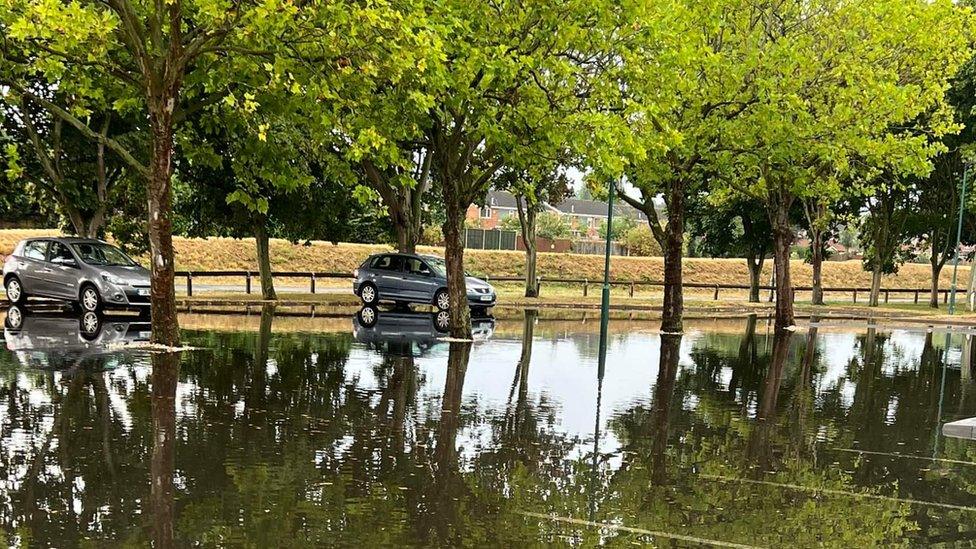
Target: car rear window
x=36, y=250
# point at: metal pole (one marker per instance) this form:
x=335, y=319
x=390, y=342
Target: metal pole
x=955, y=263
x=605, y=304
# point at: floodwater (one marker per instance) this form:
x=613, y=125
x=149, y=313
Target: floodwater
x=298, y=432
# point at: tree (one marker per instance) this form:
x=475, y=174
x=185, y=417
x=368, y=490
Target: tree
x=934, y=216
x=883, y=232
x=77, y=175
x=735, y=229
x=843, y=94
x=685, y=84
x=534, y=188
x=507, y=89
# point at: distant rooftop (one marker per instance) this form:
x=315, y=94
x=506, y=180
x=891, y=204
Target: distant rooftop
x=570, y=206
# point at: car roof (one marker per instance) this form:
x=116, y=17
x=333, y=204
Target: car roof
x=418, y=256
x=67, y=239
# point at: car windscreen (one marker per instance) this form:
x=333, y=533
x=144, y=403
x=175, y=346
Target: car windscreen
x=95, y=253
x=437, y=265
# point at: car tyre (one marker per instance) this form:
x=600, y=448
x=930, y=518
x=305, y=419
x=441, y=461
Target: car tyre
x=368, y=294
x=14, y=319
x=441, y=300
x=89, y=299
x=15, y=291
x=442, y=321
x=368, y=316
x=89, y=325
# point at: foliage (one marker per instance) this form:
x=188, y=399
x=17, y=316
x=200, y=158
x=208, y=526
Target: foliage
x=621, y=225
x=549, y=225
x=641, y=242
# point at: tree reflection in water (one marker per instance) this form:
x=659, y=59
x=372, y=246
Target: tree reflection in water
x=303, y=439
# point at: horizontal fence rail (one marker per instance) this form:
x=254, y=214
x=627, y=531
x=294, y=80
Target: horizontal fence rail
x=716, y=289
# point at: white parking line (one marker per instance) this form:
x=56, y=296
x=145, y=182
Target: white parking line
x=861, y=495
x=642, y=531
x=909, y=456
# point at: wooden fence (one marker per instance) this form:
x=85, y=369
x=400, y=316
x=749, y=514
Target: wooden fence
x=585, y=284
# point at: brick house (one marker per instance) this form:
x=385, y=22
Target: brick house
x=584, y=216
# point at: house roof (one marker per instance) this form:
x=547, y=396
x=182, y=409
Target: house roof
x=570, y=206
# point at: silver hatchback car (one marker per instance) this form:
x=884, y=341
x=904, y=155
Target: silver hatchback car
x=411, y=278
x=89, y=272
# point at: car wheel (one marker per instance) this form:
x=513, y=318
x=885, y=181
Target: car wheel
x=15, y=318
x=90, y=325
x=368, y=316
x=89, y=299
x=368, y=294
x=15, y=291
x=442, y=321
x=441, y=300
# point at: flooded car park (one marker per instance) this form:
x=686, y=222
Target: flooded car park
x=283, y=432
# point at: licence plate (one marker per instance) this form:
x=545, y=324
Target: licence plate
x=143, y=291
x=145, y=335
x=486, y=298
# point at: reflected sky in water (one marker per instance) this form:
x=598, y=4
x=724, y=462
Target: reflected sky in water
x=303, y=432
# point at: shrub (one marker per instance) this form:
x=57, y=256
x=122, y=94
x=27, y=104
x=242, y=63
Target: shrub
x=641, y=242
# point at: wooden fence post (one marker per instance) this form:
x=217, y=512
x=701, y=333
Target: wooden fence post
x=855, y=295
x=916, y=296
x=886, y=296
x=247, y=282
x=311, y=282
x=716, y=293
x=586, y=287
x=631, y=288
x=189, y=284
x=538, y=287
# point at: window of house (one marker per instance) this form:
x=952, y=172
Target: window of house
x=486, y=212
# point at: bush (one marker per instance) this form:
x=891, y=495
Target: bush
x=547, y=225
x=431, y=235
x=641, y=242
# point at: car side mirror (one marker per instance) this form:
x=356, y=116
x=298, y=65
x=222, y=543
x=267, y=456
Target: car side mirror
x=64, y=261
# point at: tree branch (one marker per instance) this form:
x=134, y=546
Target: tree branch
x=84, y=129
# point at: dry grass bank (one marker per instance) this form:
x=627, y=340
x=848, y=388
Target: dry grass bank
x=230, y=254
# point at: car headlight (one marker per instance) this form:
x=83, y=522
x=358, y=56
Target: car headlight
x=113, y=279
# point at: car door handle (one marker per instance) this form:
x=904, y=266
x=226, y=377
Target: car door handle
x=45, y=270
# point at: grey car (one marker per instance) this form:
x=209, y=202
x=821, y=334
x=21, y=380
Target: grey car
x=411, y=278
x=92, y=273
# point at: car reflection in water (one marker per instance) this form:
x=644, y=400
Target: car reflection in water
x=411, y=333
x=58, y=341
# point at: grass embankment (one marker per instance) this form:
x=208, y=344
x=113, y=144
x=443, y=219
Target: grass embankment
x=229, y=254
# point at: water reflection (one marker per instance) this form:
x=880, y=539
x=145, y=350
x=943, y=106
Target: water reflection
x=380, y=437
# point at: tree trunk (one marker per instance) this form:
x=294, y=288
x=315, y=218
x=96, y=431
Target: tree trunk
x=661, y=403
x=782, y=239
x=875, y=285
x=406, y=235
x=454, y=257
x=165, y=374
x=936, y=271
x=264, y=259
x=527, y=222
x=971, y=288
x=673, y=306
x=165, y=325
x=816, y=261
x=755, y=263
